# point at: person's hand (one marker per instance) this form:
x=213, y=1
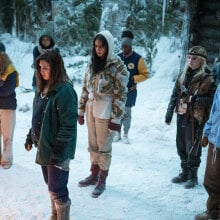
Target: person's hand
x=204, y=141
x=81, y=120
x=28, y=143
x=168, y=117
x=114, y=127
x=28, y=146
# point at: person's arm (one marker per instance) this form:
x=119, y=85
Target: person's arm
x=143, y=72
x=120, y=92
x=171, y=105
x=84, y=95
x=8, y=86
x=66, y=106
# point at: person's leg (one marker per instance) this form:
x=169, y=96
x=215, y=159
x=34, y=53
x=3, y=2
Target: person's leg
x=92, y=148
x=126, y=124
x=59, y=194
x=212, y=185
x=104, y=140
x=212, y=182
x=181, y=151
x=193, y=149
x=8, y=118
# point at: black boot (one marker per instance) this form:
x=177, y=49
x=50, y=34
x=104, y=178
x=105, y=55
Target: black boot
x=192, y=178
x=100, y=186
x=92, y=178
x=183, y=176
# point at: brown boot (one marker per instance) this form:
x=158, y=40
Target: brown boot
x=100, y=186
x=63, y=210
x=53, y=210
x=92, y=178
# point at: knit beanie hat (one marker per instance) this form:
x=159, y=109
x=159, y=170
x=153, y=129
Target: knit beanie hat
x=198, y=51
x=2, y=47
x=126, y=38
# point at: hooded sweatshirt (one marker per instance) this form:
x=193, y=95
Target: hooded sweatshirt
x=107, y=88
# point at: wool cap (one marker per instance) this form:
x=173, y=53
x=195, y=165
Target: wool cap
x=2, y=47
x=127, y=37
x=198, y=51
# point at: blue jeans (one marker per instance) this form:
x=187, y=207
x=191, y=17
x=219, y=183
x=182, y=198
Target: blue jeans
x=57, y=180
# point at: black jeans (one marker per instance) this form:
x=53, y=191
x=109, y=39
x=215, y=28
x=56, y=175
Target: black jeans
x=188, y=151
x=57, y=180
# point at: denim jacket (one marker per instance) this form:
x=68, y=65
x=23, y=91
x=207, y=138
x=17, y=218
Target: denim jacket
x=212, y=126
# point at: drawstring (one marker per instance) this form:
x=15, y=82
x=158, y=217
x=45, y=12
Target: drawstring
x=214, y=155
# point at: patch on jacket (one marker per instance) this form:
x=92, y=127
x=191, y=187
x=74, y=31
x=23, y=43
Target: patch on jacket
x=130, y=66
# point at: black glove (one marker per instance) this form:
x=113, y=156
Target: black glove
x=168, y=117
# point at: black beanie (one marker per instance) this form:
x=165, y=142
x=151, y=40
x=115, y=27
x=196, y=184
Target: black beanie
x=127, y=34
x=127, y=37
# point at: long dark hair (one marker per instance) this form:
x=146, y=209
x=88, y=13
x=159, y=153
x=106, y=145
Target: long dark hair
x=57, y=70
x=98, y=63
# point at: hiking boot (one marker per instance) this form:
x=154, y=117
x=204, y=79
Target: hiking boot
x=125, y=139
x=183, y=177
x=192, y=178
x=92, y=178
x=117, y=137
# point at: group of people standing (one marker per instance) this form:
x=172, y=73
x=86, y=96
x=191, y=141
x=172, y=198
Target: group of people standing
x=109, y=92
x=109, y=87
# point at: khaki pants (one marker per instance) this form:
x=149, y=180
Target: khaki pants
x=7, y=125
x=99, y=139
x=212, y=182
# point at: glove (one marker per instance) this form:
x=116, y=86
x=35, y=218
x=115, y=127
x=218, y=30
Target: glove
x=204, y=141
x=114, y=127
x=81, y=120
x=168, y=117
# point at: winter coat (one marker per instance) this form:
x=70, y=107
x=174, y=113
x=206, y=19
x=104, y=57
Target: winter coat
x=57, y=141
x=107, y=88
x=212, y=126
x=8, y=82
x=138, y=72
x=195, y=89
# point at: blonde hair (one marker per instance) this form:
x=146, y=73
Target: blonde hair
x=186, y=67
x=4, y=62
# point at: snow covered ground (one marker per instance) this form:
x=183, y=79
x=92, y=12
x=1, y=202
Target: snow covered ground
x=138, y=185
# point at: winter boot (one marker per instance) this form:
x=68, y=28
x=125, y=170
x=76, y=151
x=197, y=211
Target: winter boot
x=183, y=176
x=100, y=186
x=92, y=178
x=204, y=216
x=53, y=209
x=63, y=210
x=117, y=137
x=192, y=178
